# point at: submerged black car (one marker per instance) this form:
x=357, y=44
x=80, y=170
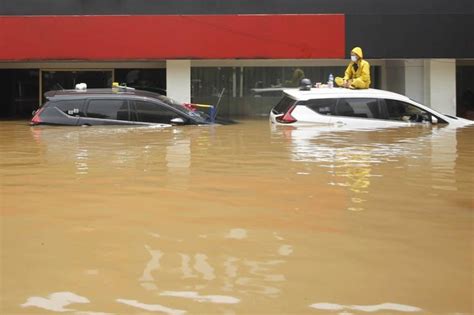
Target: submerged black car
x=115, y=106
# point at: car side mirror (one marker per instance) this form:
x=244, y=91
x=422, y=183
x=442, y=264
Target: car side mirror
x=178, y=121
x=434, y=120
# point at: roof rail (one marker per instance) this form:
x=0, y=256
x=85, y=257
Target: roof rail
x=123, y=87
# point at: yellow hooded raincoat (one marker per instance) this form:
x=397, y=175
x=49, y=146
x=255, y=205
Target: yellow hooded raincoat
x=361, y=77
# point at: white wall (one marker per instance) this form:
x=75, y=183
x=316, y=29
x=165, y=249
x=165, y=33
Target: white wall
x=178, y=80
x=440, y=85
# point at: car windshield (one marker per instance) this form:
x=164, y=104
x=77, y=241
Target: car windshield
x=173, y=103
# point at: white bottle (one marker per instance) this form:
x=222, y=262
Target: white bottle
x=331, y=81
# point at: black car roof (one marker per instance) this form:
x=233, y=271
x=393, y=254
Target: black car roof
x=115, y=92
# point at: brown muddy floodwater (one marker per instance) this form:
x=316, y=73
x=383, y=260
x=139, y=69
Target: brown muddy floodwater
x=240, y=219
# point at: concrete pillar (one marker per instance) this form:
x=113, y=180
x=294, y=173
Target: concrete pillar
x=440, y=85
x=383, y=75
x=415, y=80
x=395, y=72
x=178, y=80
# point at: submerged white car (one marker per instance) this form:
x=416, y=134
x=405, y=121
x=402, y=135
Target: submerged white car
x=346, y=107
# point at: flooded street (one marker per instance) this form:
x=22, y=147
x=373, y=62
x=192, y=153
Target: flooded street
x=238, y=219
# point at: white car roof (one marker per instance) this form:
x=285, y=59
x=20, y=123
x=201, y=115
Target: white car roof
x=336, y=92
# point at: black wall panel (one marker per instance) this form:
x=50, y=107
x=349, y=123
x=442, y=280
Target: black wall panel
x=72, y=7
x=411, y=36
x=383, y=28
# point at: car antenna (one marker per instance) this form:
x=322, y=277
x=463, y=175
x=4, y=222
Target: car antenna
x=217, y=104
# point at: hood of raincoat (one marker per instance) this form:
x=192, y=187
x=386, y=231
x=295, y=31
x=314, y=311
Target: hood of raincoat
x=358, y=52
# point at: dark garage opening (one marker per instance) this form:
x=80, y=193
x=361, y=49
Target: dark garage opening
x=465, y=91
x=67, y=79
x=19, y=90
x=153, y=80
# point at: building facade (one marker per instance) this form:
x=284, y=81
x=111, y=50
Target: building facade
x=237, y=53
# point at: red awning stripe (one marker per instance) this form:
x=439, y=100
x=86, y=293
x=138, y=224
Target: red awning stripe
x=172, y=37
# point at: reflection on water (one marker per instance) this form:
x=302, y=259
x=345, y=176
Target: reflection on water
x=351, y=156
x=366, y=308
x=56, y=301
x=151, y=307
x=198, y=271
x=153, y=264
x=241, y=219
x=237, y=234
x=220, y=299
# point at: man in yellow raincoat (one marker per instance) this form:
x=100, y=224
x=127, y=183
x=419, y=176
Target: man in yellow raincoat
x=357, y=75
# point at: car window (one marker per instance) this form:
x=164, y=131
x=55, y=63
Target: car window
x=325, y=106
x=153, y=112
x=71, y=107
x=401, y=111
x=284, y=104
x=358, y=107
x=108, y=109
